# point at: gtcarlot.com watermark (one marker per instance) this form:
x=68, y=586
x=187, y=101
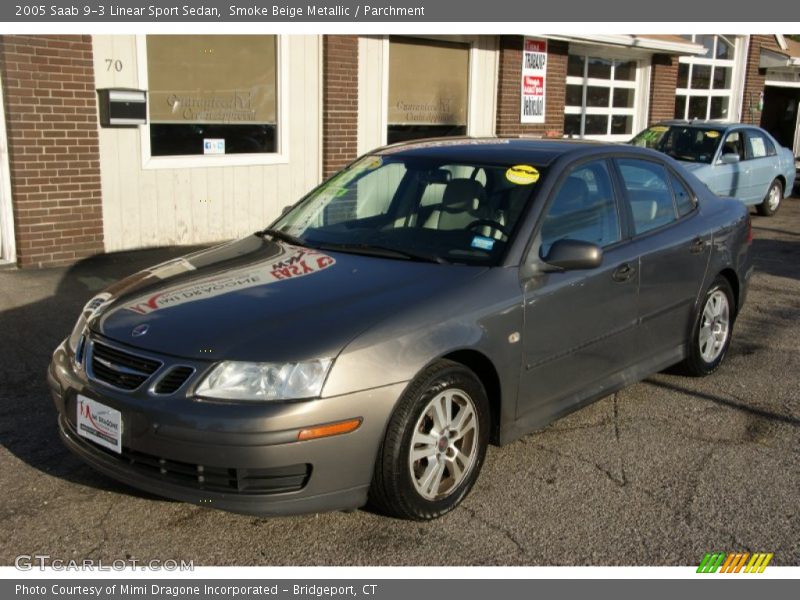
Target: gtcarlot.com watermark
x=30, y=562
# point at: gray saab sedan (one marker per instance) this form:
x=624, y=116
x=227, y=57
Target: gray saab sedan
x=428, y=300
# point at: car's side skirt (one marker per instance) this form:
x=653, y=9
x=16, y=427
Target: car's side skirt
x=544, y=415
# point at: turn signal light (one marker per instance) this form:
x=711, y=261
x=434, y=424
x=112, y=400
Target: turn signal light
x=330, y=429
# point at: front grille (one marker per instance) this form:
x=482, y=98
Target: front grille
x=254, y=481
x=119, y=368
x=273, y=480
x=173, y=380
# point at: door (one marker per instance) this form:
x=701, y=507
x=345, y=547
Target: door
x=731, y=179
x=781, y=116
x=762, y=159
x=580, y=326
x=674, y=248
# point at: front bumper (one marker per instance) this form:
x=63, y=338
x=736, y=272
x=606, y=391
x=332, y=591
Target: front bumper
x=241, y=457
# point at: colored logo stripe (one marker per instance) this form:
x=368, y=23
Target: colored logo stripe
x=758, y=563
x=733, y=563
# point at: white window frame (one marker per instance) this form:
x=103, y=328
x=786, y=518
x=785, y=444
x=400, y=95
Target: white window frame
x=734, y=93
x=280, y=156
x=640, y=86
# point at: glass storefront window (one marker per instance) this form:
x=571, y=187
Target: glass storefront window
x=701, y=77
x=705, y=83
x=428, y=89
x=212, y=94
x=575, y=65
x=698, y=106
x=601, y=96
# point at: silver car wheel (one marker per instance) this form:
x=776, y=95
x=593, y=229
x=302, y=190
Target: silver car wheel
x=444, y=445
x=774, y=197
x=714, y=327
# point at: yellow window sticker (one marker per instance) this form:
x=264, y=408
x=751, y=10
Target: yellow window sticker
x=712, y=134
x=659, y=129
x=522, y=174
x=373, y=162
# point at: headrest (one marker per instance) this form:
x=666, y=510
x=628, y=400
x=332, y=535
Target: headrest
x=462, y=195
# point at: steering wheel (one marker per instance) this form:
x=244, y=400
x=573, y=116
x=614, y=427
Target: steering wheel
x=490, y=224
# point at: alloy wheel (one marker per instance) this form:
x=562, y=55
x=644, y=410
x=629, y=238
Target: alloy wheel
x=444, y=445
x=714, y=327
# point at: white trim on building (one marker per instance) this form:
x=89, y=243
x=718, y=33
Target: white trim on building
x=8, y=248
x=193, y=200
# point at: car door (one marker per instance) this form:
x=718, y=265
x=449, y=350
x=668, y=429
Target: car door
x=731, y=179
x=674, y=247
x=762, y=163
x=580, y=325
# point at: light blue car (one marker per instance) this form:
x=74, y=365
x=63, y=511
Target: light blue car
x=741, y=161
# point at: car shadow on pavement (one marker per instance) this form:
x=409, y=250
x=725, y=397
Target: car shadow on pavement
x=777, y=257
x=30, y=333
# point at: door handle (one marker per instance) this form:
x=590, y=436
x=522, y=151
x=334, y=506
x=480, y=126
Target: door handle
x=697, y=246
x=623, y=273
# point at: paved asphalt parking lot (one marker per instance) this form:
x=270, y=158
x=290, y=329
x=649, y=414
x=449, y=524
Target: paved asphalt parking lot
x=657, y=474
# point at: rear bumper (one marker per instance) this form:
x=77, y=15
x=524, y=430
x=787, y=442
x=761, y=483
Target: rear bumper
x=205, y=453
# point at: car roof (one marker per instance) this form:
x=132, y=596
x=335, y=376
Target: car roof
x=496, y=150
x=707, y=124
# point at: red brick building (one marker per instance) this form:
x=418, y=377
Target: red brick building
x=210, y=165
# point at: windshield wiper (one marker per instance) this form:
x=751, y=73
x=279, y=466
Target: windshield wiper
x=383, y=251
x=283, y=236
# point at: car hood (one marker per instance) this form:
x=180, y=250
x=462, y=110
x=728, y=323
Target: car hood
x=262, y=300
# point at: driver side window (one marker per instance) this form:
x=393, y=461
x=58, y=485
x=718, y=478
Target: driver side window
x=733, y=145
x=583, y=209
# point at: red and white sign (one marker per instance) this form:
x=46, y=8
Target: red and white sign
x=534, y=76
x=99, y=423
x=287, y=265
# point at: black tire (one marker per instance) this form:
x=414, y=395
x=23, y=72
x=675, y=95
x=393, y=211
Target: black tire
x=696, y=364
x=767, y=210
x=394, y=490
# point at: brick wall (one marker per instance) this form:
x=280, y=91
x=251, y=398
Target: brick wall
x=50, y=105
x=508, y=89
x=754, y=79
x=663, y=81
x=339, y=101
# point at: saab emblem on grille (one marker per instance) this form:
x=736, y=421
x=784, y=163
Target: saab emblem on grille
x=140, y=330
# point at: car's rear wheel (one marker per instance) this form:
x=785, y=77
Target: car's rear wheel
x=772, y=201
x=711, y=334
x=434, y=446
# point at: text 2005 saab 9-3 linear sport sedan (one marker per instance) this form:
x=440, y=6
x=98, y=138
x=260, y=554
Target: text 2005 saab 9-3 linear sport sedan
x=427, y=300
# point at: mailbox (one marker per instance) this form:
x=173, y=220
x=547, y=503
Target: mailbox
x=122, y=107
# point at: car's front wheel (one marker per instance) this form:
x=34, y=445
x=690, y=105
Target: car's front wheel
x=772, y=201
x=434, y=446
x=711, y=334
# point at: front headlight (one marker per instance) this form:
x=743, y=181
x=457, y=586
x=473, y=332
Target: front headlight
x=80, y=325
x=233, y=380
x=77, y=333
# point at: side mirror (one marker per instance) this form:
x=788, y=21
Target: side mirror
x=729, y=158
x=572, y=255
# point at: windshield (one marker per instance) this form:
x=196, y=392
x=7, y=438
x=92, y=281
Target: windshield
x=681, y=142
x=416, y=209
